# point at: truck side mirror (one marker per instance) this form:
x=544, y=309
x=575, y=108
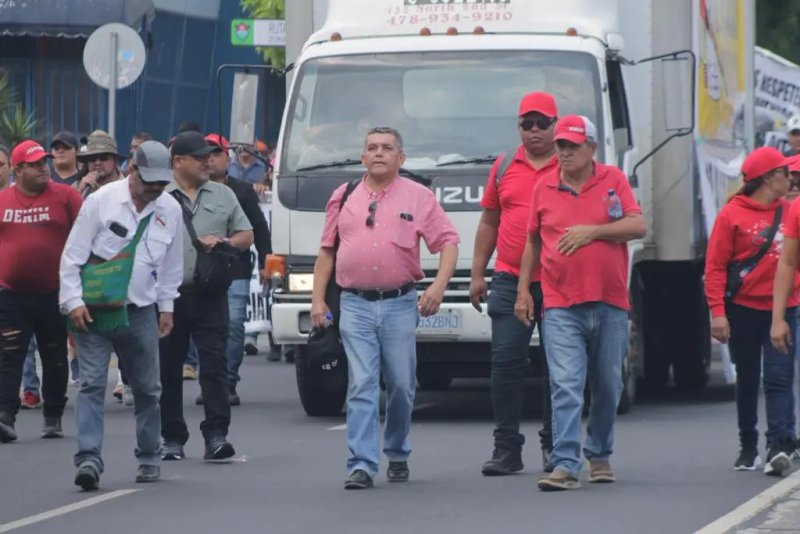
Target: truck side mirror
x=243, y=108
x=676, y=72
x=679, y=81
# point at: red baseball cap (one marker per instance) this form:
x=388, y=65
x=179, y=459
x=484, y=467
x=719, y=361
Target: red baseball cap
x=575, y=129
x=217, y=140
x=794, y=163
x=28, y=151
x=539, y=102
x=761, y=161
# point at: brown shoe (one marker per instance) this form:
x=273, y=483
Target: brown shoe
x=600, y=472
x=558, y=480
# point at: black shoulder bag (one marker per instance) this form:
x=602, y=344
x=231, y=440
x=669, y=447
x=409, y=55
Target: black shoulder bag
x=324, y=344
x=738, y=270
x=213, y=270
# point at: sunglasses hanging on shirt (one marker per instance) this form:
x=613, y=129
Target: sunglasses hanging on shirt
x=373, y=207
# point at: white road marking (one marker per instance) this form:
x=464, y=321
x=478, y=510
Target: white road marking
x=55, y=512
x=753, y=507
x=339, y=427
x=422, y=406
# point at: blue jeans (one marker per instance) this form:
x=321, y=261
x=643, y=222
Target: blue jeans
x=379, y=337
x=750, y=339
x=510, y=361
x=30, y=380
x=238, y=296
x=137, y=345
x=589, y=337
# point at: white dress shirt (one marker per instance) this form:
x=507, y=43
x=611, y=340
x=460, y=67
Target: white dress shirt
x=158, y=262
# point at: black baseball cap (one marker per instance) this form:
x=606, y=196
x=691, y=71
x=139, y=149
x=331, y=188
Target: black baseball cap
x=66, y=138
x=190, y=144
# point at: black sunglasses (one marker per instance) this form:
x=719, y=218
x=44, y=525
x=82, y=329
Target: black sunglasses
x=100, y=157
x=542, y=124
x=373, y=207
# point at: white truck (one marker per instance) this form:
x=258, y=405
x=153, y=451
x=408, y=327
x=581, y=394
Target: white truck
x=449, y=75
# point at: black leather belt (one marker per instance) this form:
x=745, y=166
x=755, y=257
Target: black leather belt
x=381, y=294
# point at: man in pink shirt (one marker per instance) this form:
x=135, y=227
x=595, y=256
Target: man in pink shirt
x=377, y=267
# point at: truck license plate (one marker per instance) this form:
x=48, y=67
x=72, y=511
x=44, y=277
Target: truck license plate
x=448, y=322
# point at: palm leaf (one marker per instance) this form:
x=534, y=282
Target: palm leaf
x=17, y=125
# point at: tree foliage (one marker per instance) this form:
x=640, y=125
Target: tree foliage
x=15, y=123
x=267, y=9
x=778, y=27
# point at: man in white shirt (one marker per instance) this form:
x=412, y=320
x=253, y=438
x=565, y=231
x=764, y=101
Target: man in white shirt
x=109, y=223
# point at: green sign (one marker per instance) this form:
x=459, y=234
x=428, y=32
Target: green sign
x=242, y=32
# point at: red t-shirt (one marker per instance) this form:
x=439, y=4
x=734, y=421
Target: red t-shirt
x=514, y=202
x=33, y=231
x=740, y=229
x=597, y=272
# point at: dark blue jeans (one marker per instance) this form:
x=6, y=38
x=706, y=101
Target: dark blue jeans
x=510, y=341
x=749, y=337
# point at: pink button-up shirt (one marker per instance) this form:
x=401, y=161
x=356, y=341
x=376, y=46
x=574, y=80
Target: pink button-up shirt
x=385, y=256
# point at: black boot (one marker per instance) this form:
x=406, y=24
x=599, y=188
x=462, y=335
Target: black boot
x=504, y=462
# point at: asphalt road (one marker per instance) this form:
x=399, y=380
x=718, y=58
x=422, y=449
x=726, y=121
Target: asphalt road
x=673, y=462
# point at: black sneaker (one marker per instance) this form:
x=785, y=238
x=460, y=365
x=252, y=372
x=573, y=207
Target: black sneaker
x=358, y=479
x=199, y=400
x=7, y=432
x=218, y=448
x=87, y=477
x=503, y=462
x=397, y=472
x=235, y=400
x=250, y=349
x=748, y=460
x=52, y=428
x=547, y=467
x=778, y=461
x=148, y=473
x=172, y=451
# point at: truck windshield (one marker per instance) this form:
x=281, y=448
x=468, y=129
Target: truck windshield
x=454, y=109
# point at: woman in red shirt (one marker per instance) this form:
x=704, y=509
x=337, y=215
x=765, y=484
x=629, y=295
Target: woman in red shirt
x=742, y=232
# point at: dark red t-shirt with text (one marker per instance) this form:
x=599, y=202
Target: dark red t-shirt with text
x=33, y=231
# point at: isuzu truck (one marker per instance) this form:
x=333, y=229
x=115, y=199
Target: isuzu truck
x=665, y=82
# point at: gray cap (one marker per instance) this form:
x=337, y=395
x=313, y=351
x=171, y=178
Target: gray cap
x=152, y=160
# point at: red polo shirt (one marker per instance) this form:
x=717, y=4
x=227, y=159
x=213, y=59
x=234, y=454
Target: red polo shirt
x=513, y=199
x=597, y=272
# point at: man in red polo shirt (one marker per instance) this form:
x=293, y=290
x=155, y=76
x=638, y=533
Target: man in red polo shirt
x=36, y=216
x=503, y=225
x=581, y=218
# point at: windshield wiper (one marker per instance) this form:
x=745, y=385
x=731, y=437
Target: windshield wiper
x=484, y=159
x=417, y=177
x=331, y=165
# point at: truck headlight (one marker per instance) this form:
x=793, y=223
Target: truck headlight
x=301, y=283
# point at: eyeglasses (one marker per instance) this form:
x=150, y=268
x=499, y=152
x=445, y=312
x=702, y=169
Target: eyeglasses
x=373, y=207
x=542, y=124
x=98, y=157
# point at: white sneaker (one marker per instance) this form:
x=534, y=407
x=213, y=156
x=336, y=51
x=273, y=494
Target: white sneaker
x=777, y=464
x=127, y=396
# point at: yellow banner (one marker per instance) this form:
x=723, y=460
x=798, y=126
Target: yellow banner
x=721, y=68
